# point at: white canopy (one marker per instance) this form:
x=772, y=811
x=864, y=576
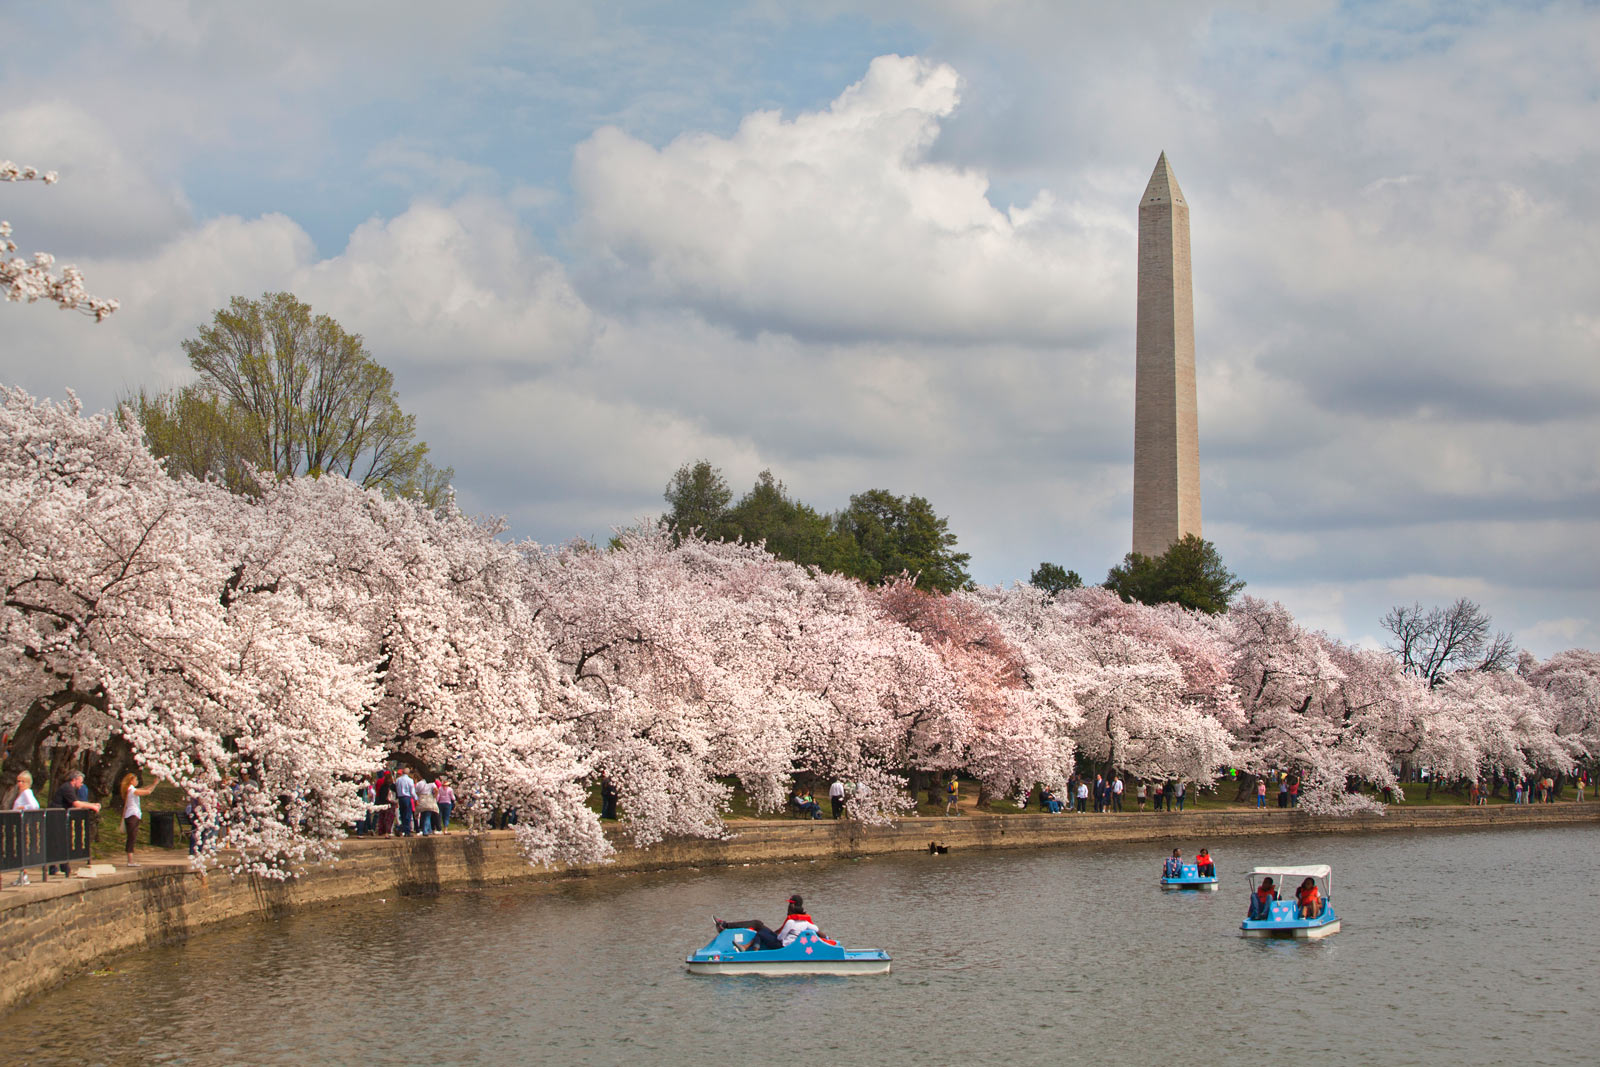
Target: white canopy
x=1314, y=870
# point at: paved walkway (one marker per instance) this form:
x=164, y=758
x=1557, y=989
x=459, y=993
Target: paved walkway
x=40, y=889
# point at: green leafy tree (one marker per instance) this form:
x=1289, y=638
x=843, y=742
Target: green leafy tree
x=197, y=434
x=1190, y=573
x=697, y=497
x=875, y=539
x=894, y=534
x=1053, y=578
x=296, y=394
x=792, y=530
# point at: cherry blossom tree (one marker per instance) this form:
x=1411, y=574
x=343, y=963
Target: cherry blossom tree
x=648, y=632
x=35, y=278
x=289, y=641
x=1383, y=717
x=1506, y=722
x=117, y=639
x=710, y=660
x=1571, y=679
x=1007, y=743
x=1151, y=686
x=875, y=701
x=101, y=600
x=1147, y=688
x=462, y=681
x=1287, y=680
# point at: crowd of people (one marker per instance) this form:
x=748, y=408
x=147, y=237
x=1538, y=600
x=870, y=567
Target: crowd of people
x=401, y=805
x=1105, y=794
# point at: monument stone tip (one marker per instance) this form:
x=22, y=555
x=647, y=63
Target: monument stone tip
x=1163, y=186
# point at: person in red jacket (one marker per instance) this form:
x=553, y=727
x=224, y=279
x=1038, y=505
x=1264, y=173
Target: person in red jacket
x=1310, y=899
x=1261, y=901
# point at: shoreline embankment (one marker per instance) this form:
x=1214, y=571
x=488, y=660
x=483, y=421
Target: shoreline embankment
x=54, y=931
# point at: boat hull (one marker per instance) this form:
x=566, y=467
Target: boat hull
x=1204, y=887
x=1294, y=932
x=787, y=968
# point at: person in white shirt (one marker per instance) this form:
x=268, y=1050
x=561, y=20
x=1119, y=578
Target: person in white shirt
x=406, y=796
x=25, y=800
x=1116, y=793
x=1083, y=796
x=836, y=797
x=131, y=812
x=795, y=923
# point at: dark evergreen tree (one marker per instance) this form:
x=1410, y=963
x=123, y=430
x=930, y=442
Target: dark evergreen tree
x=1053, y=578
x=1190, y=573
x=698, y=498
x=895, y=535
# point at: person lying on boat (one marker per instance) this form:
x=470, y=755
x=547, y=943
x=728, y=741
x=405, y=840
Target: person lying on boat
x=1174, y=865
x=1261, y=900
x=1204, y=866
x=763, y=939
x=794, y=924
x=1309, y=898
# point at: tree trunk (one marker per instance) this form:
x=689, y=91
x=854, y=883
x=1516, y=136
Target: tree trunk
x=101, y=770
x=23, y=751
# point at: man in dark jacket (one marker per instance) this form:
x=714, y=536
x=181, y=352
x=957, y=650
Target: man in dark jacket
x=72, y=795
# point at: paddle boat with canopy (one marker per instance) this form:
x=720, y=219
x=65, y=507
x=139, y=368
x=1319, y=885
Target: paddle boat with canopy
x=810, y=953
x=1282, y=918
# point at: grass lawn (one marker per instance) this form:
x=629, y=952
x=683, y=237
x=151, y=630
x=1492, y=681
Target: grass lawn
x=108, y=844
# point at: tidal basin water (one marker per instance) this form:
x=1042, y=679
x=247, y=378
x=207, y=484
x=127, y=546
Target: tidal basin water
x=1459, y=948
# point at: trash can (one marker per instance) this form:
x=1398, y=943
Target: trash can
x=163, y=829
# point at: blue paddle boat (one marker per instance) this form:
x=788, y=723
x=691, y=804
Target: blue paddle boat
x=810, y=953
x=1188, y=876
x=1282, y=918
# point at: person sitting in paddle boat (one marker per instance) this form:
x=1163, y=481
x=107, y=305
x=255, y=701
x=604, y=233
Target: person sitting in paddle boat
x=1204, y=866
x=1309, y=898
x=1174, y=865
x=794, y=924
x=1261, y=900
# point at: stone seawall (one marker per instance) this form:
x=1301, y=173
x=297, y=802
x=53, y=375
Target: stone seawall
x=50, y=933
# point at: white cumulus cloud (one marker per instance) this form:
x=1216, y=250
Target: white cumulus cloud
x=838, y=224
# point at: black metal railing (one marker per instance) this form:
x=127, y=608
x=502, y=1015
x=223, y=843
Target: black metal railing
x=43, y=838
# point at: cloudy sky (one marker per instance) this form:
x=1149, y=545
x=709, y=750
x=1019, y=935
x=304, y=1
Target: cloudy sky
x=883, y=245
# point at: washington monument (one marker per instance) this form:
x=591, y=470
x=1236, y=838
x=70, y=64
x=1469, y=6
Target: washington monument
x=1166, y=435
